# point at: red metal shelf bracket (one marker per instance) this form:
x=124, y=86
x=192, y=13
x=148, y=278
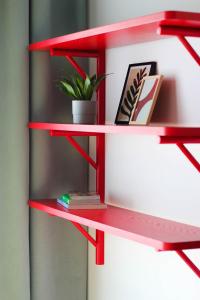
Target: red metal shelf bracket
x=98, y=243
x=188, y=262
x=76, y=66
x=189, y=156
x=68, y=55
x=70, y=139
x=179, y=141
x=181, y=33
x=190, y=49
x=81, y=151
x=85, y=233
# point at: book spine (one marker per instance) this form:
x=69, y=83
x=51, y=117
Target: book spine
x=62, y=203
x=82, y=201
x=82, y=206
x=93, y=197
x=89, y=206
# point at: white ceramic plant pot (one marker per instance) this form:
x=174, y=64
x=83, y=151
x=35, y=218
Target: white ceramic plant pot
x=84, y=111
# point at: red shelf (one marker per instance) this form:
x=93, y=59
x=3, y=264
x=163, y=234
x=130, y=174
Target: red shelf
x=146, y=130
x=138, y=30
x=152, y=231
x=149, y=230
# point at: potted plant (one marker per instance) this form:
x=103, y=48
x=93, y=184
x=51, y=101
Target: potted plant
x=82, y=90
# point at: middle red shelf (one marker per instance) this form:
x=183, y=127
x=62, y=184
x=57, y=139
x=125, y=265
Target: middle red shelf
x=156, y=232
x=157, y=130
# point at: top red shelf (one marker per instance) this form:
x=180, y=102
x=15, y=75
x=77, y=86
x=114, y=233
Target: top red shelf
x=133, y=31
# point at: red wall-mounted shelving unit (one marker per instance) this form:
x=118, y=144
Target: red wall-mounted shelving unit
x=153, y=231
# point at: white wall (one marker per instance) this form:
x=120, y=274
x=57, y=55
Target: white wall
x=143, y=175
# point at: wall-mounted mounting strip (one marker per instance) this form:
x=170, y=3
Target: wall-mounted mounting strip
x=188, y=262
x=75, y=53
x=98, y=243
x=72, y=133
x=181, y=33
x=180, y=141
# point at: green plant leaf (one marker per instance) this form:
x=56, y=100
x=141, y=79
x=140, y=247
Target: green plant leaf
x=87, y=82
x=93, y=79
x=79, y=88
x=98, y=81
x=89, y=92
x=80, y=83
x=68, y=89
x=88, y=88
x=76, y=88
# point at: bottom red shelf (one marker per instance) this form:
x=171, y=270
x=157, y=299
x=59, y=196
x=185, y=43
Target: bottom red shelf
x=156, y=232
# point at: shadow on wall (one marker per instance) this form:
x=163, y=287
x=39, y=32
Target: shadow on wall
x=166, y=110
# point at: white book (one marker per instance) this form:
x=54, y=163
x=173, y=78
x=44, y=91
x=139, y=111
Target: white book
x=82, y=206
x=84, y=196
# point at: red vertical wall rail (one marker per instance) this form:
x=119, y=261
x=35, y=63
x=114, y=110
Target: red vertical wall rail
x=100, y=140
x=100, y=152
x=99, y=247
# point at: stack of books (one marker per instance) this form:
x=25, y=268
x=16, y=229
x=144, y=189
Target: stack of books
x=81, y=201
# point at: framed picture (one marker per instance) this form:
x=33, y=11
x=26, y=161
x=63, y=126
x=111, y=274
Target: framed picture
x=146, y=100
x=135, y=74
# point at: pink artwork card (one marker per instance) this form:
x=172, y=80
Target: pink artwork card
x=146, y=100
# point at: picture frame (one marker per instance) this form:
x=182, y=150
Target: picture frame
x=135, y=75
x=146, y=100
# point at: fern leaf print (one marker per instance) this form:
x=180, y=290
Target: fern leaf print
x=135, y=75
x=132, y=93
